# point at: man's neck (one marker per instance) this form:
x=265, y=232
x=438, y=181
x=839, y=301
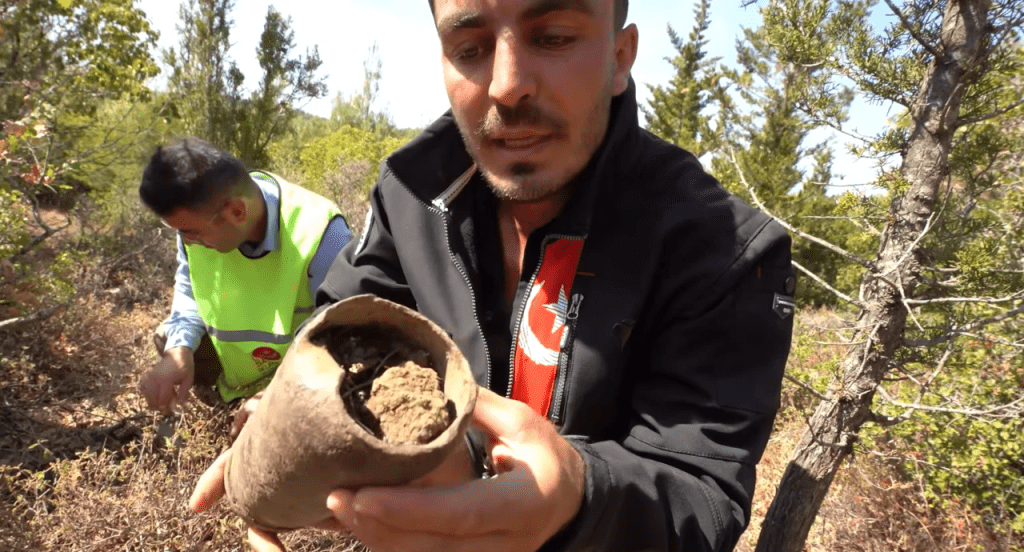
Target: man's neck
x=258, y=208
x=516, y=221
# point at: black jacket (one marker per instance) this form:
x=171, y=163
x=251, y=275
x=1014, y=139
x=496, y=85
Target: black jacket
x=670, y=376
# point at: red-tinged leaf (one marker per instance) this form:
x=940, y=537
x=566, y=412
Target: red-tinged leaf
x=33, y=176
x=13, y=128
x=3, y=149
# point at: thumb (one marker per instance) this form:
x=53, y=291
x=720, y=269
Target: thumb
x=498, y=416
x=263, y=541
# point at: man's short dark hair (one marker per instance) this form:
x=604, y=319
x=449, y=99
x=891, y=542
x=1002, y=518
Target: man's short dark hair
x=190, y=173
x=621, y=8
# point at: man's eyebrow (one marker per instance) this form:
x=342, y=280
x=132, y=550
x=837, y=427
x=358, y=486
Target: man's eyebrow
x=541, y=8
x=460, y=20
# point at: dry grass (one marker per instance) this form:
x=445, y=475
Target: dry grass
x=84, y=467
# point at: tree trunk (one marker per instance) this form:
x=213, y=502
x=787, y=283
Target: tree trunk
x=838, y=419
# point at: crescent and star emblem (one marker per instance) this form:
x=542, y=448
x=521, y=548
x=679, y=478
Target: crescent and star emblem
x=530, y=344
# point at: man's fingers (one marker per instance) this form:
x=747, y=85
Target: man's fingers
x=210, y=487
x=465, y=509
x=164, y=396
x=339, y=502
x=183, y=388
x=381, y=535
x=263, y=541
x=498, y=416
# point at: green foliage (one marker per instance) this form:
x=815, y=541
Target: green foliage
x=325, y=155
x=123, y=136
x=357, y=110
x=286, y=82
x=64, y=57
x=207, y=87
x=14, y=233
x=61, y=62
x=976, y=459
x=782, y=95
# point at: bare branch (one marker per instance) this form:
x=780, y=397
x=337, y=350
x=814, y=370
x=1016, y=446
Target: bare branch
x=903, y=299
x=806, y=387
x=47, y=233
x=913, y=31
x=34, y=317
x=990, y=115
x=987, y=300
x=994, y=339
x=849, y=256
x=1008, y=410
x=825, y=285
x=887, y=421
x=954, y=332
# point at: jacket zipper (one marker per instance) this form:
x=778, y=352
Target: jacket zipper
x=442, y=210
x=522, y=308
x=555, y=412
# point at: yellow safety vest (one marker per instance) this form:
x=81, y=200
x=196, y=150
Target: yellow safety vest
x=252, y=307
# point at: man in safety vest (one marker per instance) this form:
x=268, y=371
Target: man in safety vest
x=252, y=249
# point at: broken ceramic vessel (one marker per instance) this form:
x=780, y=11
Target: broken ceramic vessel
x=302, y=442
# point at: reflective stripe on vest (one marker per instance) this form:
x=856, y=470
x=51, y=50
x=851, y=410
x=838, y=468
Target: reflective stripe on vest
x=252, y=307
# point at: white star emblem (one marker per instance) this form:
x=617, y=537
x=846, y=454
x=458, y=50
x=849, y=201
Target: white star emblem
x=559, y=309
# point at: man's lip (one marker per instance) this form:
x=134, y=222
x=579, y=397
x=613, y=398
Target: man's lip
x=519, y=140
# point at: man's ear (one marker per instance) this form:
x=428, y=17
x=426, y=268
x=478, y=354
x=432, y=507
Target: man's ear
x=236, y=211
x=625, y=54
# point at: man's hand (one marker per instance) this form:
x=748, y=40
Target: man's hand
x=168, y=382
x=537, y=492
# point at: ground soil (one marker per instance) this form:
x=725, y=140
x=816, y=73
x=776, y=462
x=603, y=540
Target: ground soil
x=391, y=389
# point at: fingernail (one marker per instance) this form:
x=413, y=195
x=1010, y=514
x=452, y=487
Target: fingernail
x=366, y=507
x=334, y=501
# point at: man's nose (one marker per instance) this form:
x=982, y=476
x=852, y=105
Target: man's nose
x=512, y=78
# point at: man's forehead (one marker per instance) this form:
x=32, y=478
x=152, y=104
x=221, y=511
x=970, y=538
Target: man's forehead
x=456, y=14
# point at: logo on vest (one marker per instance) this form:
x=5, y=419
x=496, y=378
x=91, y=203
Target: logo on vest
x=266, y=358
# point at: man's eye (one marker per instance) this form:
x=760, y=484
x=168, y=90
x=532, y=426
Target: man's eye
x=554, y=41
x=468, y=52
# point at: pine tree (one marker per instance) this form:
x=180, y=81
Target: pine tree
x=204, y=83
x=207, y=86
x=678, y=112
x=767, y=130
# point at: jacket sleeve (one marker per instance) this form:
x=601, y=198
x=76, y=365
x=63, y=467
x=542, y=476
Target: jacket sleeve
x=367, y=265
x=701, y=407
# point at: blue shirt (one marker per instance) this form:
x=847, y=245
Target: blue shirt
x=185, y=327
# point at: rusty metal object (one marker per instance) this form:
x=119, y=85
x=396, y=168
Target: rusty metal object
x=302, y=442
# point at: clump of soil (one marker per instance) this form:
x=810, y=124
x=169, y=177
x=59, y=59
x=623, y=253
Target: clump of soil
x=390, y=386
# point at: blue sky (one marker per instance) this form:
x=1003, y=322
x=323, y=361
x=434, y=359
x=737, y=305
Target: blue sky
x=411, y=89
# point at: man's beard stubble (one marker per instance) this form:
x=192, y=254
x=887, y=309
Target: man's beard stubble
x=526, y=185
